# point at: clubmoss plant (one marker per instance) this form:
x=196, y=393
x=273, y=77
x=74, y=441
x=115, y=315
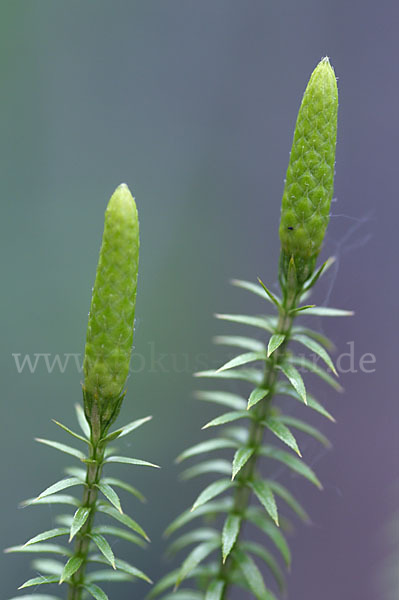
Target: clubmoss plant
x=106, y=366
x=223, y=557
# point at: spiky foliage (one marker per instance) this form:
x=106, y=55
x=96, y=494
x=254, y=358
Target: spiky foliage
x=106, y=365
x=255, y=429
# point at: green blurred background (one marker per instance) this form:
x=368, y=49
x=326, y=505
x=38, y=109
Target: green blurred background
x=193, y=104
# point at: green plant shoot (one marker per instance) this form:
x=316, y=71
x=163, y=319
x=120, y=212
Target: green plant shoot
x=255, y=429
x=106, y=367
x=110, y=328
x=309, y=181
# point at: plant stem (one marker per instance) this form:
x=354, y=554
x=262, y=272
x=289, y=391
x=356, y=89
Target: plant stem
x=93, y=475
x=243, y=492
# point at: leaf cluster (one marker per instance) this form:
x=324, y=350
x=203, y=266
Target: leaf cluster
x=90, y=547
x=217, y=554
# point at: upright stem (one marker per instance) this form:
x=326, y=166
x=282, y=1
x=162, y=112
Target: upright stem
x=93, y=476
x=242, y=494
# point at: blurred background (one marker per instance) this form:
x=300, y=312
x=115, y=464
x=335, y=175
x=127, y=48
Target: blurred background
x=193, y=104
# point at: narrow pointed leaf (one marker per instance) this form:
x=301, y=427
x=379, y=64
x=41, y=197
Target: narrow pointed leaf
x=39, y=581
x=304, y=363
x=295, y=378
x=122, y=518
x=317, y=349
x=276, y=301
x=324, y=311
x=251, y=375
x=79, y=519
x=292, y=279
x=46, y=566
x=280, y=430
x=130, y=461
x=195, y=557
x=301, y=309
x=238, y=341
x=203, y=534
x=40, y=548
x=251, y=287
x=315, y=335
x=305, y=427
x=104, y=548
x=122, y=565
x=106, y=575
x=120, y=533
x=208, y=446
x=266, y=323
x=241, y=457
x=48, y=535
x=122, y=431
x=230, y=532
x=63, y=448
x=59, y=486
x=268, y=558
x=124, y=486
x=305, y=295
x=281, y=491
x=54, y=499
x=95, y=591
x=209, y=466
x=243, y=359
x=251, y=574
x=292, y=462
x=239, y=434
x=265, y=524
x=265, y=495
x=185, y=594
x=75, y=435
x=35, y=597
x=76, y=472
x=71, y=567
x=275, y=341
x=287, y=390
x=110, y=494
x=315, y=277
x=227, y=418
x=221, y=506
x=312, y=403
x=238, y=579
x=169, y=581
x=215, y=590
x=211, y=491
x=131, y=570
x=80, y=415
x=64, y=520
x=224, y=398
x=256, y=396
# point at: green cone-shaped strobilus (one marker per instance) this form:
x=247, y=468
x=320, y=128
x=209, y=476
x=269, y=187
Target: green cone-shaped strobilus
x=310, y=175
x=110, y=329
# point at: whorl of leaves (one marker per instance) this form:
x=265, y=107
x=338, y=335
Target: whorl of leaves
x=217, y=554
x=81, y=571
